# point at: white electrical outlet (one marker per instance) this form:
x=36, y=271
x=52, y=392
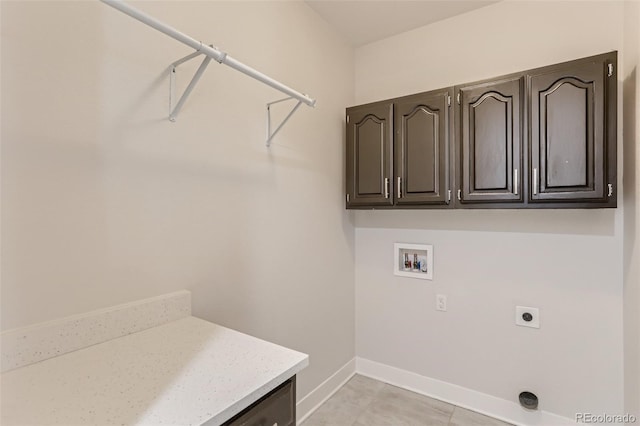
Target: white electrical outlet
x=441, y=302
x=527, y=316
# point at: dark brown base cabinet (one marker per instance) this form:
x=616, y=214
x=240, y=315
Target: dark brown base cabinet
x=278, y=407
x=543, y=138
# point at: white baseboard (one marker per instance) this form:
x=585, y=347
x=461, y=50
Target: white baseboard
x=457, y=395
x=314, y=399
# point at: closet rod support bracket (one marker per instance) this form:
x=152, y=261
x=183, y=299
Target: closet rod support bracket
x=175, y=109
x=270, y=135
x=211, y=53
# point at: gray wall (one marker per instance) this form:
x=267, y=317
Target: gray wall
x=567, y=263
x=631, y=119
x=104, y=201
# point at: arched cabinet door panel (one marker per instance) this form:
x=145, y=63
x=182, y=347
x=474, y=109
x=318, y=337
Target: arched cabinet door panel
x=542, y=138
x=370, y=155
x=422, y=149
x=490, y=142
x=569, y=116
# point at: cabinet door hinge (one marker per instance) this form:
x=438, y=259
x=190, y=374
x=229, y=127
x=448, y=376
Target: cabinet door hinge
x=458, y=98
x=610, y=70
x=348, y=198
x=347, y=119
x=448, y=100
x=610, y=193
x=448, y=196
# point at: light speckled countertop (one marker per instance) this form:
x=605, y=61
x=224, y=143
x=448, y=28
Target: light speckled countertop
x=186, y=372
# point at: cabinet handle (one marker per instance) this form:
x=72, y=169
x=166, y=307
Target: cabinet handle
x=448, y=196
x=459, y=195
x=535, y=181
x=399, y=187
x=515, y=179
x=386, y=187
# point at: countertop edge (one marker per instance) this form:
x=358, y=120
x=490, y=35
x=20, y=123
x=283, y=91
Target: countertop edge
x=249, y=399
x=281, y=364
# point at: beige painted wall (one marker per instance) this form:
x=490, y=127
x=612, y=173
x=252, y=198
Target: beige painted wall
x=567, y=263
x=631, y=119
x=105, y=201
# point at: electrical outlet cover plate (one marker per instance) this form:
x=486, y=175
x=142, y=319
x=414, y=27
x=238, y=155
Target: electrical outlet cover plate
x=535, y=316
x=441, y=302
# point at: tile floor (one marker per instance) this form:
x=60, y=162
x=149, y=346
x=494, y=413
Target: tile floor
x=366, y=402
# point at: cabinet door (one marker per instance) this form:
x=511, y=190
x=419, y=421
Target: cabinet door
x=370, y=155
x=276, y=408
x=568, y=132
x=490, y=142
x=422, y=149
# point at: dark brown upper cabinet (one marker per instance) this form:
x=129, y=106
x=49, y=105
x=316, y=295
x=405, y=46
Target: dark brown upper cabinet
x=422, y=149
x=489, y=136
x=572, y=131
x=543, y=138
x=370, y=155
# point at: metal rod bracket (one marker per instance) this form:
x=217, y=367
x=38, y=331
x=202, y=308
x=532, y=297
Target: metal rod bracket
x=210, y=53
x=175, y=109
x=270, y=135
x=222, y=58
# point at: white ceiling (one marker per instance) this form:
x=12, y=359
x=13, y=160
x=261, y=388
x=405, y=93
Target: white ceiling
x=363, y=21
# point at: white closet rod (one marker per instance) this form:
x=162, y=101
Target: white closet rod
x=213, y=53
